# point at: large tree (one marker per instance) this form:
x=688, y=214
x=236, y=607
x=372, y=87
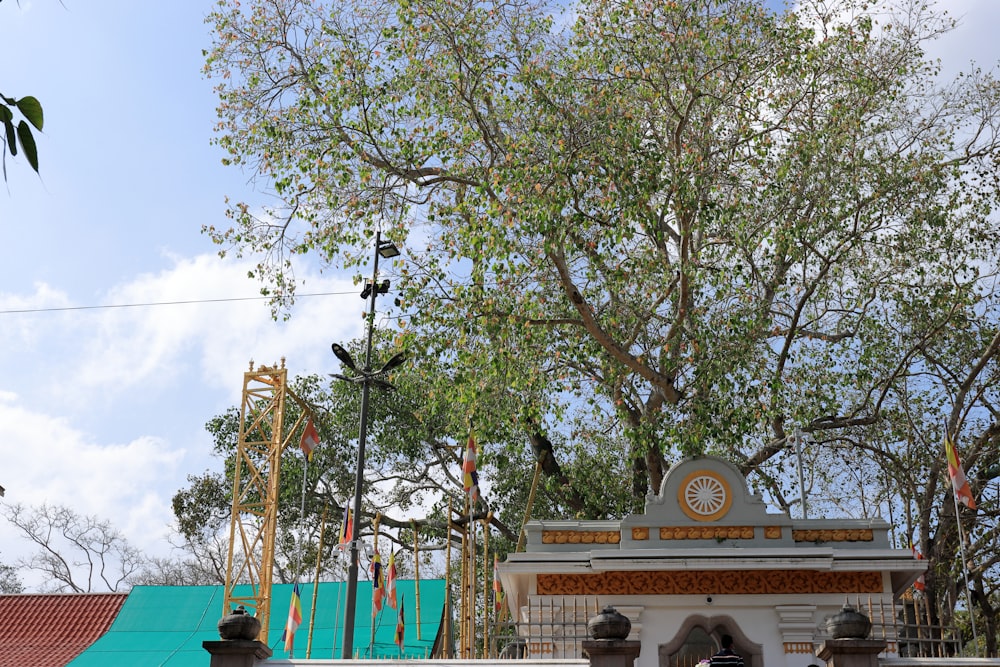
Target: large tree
x=705, y=221
x=718, y=220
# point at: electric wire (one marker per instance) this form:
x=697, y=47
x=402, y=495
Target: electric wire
x=54, y=309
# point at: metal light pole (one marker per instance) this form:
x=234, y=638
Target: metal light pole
x=366, y=377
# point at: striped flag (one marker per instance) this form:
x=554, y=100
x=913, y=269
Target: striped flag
x=920, y=584
x=310, y=440
x=378, y=584
x=958, y=481
x=346, y=528
x=390, y=581
x=497, y=589
x=294, y=619
x=400, y=626
x=470, y=478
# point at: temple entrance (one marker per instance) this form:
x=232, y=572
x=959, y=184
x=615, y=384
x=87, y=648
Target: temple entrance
x=700, y=637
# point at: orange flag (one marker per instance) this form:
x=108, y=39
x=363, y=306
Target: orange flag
x=958, y=481
x=920, y=584
x=294, y=618
x=390, y=581
x=346, y=529
x=400, y=626
x=470, y=478
x=310, y=440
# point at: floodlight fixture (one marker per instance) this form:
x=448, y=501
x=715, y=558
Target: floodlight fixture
x=387, y=249
x=344, y=356
x=395, y=361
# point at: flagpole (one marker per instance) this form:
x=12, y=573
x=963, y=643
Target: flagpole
x=486, y=585
x=302, y=517
x=315, y=595
x=447, y=590
x=337, y=610
x=416, y=573
x=965, y=573
x=298, y=550
x=961, y=545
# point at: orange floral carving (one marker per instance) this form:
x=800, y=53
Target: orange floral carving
x=710, y=582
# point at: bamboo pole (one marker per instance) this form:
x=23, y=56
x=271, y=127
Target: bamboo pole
x=315, y=595
x=463, y=605
x=416, y=574
x=447, y=588
x=471, y=640
x=486, y=585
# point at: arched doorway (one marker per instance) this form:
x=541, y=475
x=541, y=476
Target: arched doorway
x=698, y=638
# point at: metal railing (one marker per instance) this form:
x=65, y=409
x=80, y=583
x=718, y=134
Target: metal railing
x=555, y=628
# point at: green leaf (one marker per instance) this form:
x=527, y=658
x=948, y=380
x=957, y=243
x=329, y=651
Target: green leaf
x=28, y=144
x=32, y=110
x=11, y=137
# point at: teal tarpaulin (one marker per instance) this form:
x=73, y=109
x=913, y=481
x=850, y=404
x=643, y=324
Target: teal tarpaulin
x=166, y=625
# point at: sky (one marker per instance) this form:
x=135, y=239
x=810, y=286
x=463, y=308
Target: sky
x=103, y=409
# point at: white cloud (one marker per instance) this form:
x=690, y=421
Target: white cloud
x=211, y=342
x=136, y=373
x=47, y=461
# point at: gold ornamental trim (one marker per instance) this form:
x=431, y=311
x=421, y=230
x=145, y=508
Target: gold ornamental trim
x=581, y=537
x=707, y=533
x=834, y=535
x=799, y=647
x=772, y=532
x=710, y=582
x=639, y=534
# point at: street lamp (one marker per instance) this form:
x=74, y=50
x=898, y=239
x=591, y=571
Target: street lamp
x=366, y=377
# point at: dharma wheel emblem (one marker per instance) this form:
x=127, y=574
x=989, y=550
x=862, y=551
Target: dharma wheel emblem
x=705, y=496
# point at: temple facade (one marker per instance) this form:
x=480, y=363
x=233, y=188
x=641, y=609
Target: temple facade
x=705, y=559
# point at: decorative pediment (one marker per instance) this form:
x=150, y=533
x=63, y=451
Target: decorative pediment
x=704, y=498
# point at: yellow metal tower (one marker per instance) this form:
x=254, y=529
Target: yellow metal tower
x=256, y=478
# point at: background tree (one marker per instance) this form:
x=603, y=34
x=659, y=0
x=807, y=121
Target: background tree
x=76, y=554
x=10, y=582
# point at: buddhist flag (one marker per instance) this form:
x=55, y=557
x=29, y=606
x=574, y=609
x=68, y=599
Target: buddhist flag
x=470, y=478
x=400, y=626
x=294, y=619
x=378, y=585
x=310, y=440
x=497, y=590
x=390, y=581
x=958, y=481
x=346, y=528
x=920, y=584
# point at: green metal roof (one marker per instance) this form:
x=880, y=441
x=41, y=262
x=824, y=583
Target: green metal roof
x=166, y=625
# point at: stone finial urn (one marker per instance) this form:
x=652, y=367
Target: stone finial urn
x=609, y=624
x=848, y=623
x=239, y=625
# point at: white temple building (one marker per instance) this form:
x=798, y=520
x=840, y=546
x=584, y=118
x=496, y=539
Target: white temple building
x=703, y=560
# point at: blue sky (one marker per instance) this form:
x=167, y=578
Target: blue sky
x=104, y=409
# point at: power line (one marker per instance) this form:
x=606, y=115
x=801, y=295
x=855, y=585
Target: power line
x=159, y=303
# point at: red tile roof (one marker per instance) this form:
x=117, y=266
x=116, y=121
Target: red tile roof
x=51, y=630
